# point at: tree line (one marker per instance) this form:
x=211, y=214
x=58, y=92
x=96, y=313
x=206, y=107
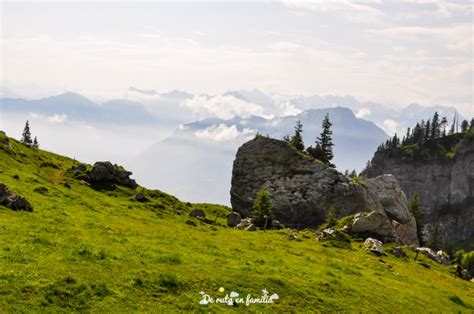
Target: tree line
x=425, y=132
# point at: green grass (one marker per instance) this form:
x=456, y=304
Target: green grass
x=102, y=251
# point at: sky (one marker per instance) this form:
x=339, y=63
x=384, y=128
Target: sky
x=394, y=52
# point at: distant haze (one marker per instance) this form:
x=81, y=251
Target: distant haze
x=394, y=52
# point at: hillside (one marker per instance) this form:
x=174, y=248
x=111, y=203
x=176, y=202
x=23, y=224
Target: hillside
x=101, y=250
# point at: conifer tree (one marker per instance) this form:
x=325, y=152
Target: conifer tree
x=26, y=136
x=435, y=126
x=35, y=143
x=464, y=126
x=297, y=140
x=262, y=207
x=471, y=127
x=414, y=207
x=325, y=141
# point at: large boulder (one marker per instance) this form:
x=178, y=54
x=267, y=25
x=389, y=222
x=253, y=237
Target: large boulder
x=303, y=189
x=104, y=172
x=233, y=219
x=12, y=200
x=374, y=224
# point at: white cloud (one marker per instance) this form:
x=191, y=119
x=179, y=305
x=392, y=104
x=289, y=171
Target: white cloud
x=390, y=126
x=223, y=133
x=223, y=107
x=57, y=119
x=358, y=11
x=363, y=112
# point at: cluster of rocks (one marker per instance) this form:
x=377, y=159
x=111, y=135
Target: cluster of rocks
x=331, y=234
x=12, y=200
x=234, y=220
x=303, y=189
x=104, y=172
x=439, y=256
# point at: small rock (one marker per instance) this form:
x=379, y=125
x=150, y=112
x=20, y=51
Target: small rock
x=251, y=228
x=374, y=245
x=140, y=197
x=84, y=182
x=13, y=201
x=80, y=167
x=439, y=257
x=233, y=219
x=244, y=223
x=197, y=213
x=191, y=223
x=276, y=224
x=399, y=252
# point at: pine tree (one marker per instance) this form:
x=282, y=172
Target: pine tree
x=325, y=141
x=435, y=126
x=331, y=219
x=296, y=140
x=26, y=136
x=262, y=207
x=353, y=174
x=443, y=124
x=414, y=207
x=35, y=143
x=464, y=126
x=427, y=131
x=451, y=129
x=471, y=127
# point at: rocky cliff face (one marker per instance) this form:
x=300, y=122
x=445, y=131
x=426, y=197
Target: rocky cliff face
x=303, y=189
x=446, y=190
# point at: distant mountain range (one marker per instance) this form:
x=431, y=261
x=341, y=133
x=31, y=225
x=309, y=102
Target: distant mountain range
x=203, y=151
x=196, y=160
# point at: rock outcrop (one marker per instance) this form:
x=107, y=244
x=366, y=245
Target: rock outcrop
x=104, y=173
x=303, y=189
x=445, y=187
x=13, y=201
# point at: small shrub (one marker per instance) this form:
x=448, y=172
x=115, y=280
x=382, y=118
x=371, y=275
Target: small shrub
x=169, y=282
x=41, y=190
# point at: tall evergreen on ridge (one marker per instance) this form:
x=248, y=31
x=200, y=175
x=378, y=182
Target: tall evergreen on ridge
x=464, y=126
x=435, y=126
x=323, y=144
x=26, y=136
x=297, y=140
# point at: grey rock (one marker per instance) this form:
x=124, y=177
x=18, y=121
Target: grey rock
x=445, y=188
x=303, y=189
x=197, y=213
x=373, y=245
x=140, y=197
x=374, y=224
x=244, y=223
x=233, y=219
x=438, y=256
x=276, y=224
x=251, y=228
x=13, y=201
x=106, y=172
x=399, y=252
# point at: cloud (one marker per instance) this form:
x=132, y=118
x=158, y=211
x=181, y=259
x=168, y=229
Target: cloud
x=223, y=133
x=223, y=107
x=363, y=112
x=357, y=11
x=390, y=126
x=57, y=119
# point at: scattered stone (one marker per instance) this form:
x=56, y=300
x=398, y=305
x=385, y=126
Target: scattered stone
x=399, y=252
x=233, y=219
x=346, y=229
x=197, y=213
x=374, y=245
x=277, y=224
x=251, y=228
x=13, y=201
x=465, y=274
x=292, y=236
x=80, y=167
x=191, y=223
x=375, y=225
x=84, y=182
x=244, y=223
x=140, y=197
x=439, y=257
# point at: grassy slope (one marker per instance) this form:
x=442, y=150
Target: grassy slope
x=83, y=249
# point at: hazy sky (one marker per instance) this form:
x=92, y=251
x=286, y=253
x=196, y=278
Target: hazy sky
x=390, y=51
